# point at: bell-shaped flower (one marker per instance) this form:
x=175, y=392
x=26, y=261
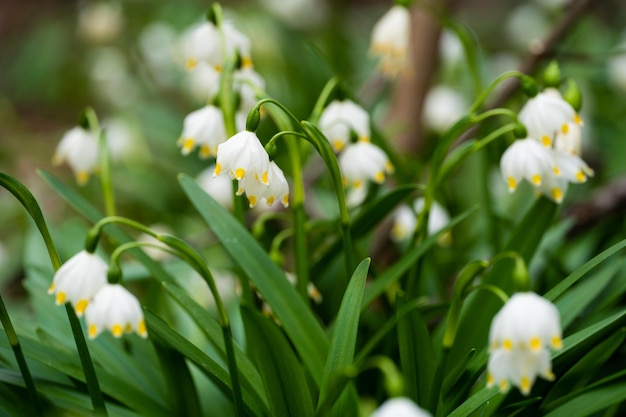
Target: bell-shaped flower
x=363, y=161
x=277, y=188
x=569, y=138
x=79, y=148
x=115, y=309
x=400, y=407
x=546, y=114
x=390, y=41
x=554, y=187
x=78, y=280
x=204, y=128
x=519, y=367
x=237, y=42
x=242, y=155
x=526, y=158
x=201, y=43
x=571, y=167
x=443, y=107
x=340, y=118
x=405, y=219
x=247, y=82
x=220, y=187
x=204, y=82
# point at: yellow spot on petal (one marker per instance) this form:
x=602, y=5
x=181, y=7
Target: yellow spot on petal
x=141, y=329
x=358, y=184
x=389, y=167
x=338, y=145
x=246, y=62
x=218, y=169
x=565, y=128
x=556, y=170
x=240, y=173
x=60, y=298
x=252, y=200
x=239, y=191
x=536, y=179
x=217, y=68
x=549, y=375
x=578, y=120
x=128, y=328
x=264, y=178
x=524, y=385
x=188, y=144
x=557, y=342
x=270, y=200
x=82, y=177
x=117, y=330
x=535, y=344
x=286, y=200
x=205, y=151
x=580, y=176
x=379, y=177
x=507, y=344
x=504, y=385
x=511, y=183
x=92, y=331
x=81, y=305
x=364, y=139
x=490, y=380
x=191, y=63
x=545, y=139
x=51, y=289
x=557, y=195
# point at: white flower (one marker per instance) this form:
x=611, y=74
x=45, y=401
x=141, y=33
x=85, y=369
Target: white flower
x=120, y=137
x=78, y=280
x=519, y=336
x=405, y=219
x=569, y=138
x=399, y=407
x=443, y=107
x=79, y=148
x=201, y=43
x=526, y=158
x=277, y=188
x=204, y=82
x=237, y=42
x=571, y=167
x=100, y=22
x=220, y=187
x=246, y=82
x=390, y=41
x=553, y=187
x=241, y=155
x=340, y=118
x=364, y=161
x=115, y=309
x=204, y=128
x=545, y=114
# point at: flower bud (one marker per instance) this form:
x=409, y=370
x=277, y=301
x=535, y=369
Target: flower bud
x=572, y=95
x=529, y=86
x=253, y=119
x=552, y=75
x=520, y=131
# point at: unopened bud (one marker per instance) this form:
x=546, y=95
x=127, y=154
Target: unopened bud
x=520, y=131
x=552, y=75
x=529, y=86
x=253, y=119
x=572, y=95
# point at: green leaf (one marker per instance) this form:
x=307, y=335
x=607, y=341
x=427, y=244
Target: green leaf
x=301, y=326
x=395, y=272
x=592, y=401
x=417, y=356
x=216, y=372
x=343, y=340
x=283, y=377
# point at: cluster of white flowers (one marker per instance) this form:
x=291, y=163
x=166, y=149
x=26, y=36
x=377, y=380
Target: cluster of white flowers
x=405, y=219
x=82, y=281
x=549, y=158
x=203, y=48
x=390, y=41
x=361, y=161
x=519, y=337
x=244, y=158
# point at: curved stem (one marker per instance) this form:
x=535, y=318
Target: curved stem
x=278, y=104
x=269, y=146
x=503, y=296
x=323, y=99
x=483, y=96
x=494, y=112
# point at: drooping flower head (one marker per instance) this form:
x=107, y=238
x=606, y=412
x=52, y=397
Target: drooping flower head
x=79, y=148
x=78, y=280
x=201, y=43
x=242, y=155
x=399, y=407
x=277, y=188
x=405, y=219
x=390, y=41
x=341, y=118
x=219, y=187
x=363, y=161
x=546, y=114
x=204, y=128
x=115, y=309
x=519, y=337
x=526, y=159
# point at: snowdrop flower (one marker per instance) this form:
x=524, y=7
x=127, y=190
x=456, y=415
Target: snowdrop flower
x=364, y=161
x=115, y=309
x=201, y=43
x=443, y=107
x=204, y=82
x=120, y=137
x=553, y=187
x=78, y=280
x=340, y=118
x=237, y=42
x=519, y=336
x=220, y=187
x=399, y=407
x=571, y=167
x=277, y=188
x=405, y=219
x=390, y=41
x=546, y=114
x=569, y=138
x=204, y=128
x=241, y=155
x=527, y=158
x=79, y=148
x=246, y=82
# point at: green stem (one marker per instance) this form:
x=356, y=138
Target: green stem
x=483, y=96
x=502, y=296
x=20, y=358
x=278, y=104
x=494, y=112
x=320, y=104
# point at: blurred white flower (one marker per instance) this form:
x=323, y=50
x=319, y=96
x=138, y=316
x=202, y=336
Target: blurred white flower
x=569, y=138
x=204, y=128
x=526, y=159
x=154, y=251
x=241, y=155
x=276, y=189
x=526, y=26
x=390, y=41
x=405, y=219
x=157, y=43
x=399, y=407
x=110, y=77
x=219, y=187
x=304, y=14
x=519, y=336
x=363, y=161
x=115, y=309
x=237, y=43
x=246, y=82
x=443, y=107
x=201, y=43
x=616, y=67
x=450, y=47
x=204, y=82
x=79, y=148
x=78, y=280
x=546, y=114
x=100, y=22
x=340, y=118
x=121, y=138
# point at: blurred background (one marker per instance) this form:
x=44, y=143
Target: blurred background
x=59, y=56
